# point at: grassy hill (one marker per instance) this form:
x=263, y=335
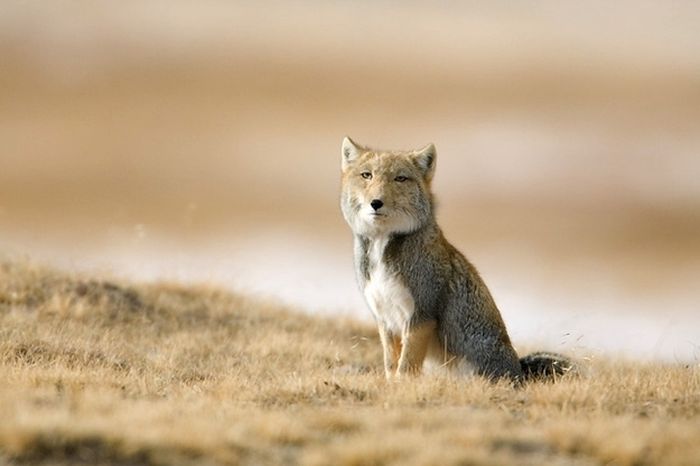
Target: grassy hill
x=100, y=372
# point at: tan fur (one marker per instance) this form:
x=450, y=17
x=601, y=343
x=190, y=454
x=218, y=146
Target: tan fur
x=385, y=166
x=415, y=347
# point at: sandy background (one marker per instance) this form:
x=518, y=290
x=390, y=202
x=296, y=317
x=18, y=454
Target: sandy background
x=200, y=142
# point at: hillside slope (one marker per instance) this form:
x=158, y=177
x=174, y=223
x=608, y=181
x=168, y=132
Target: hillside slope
x=102, y=372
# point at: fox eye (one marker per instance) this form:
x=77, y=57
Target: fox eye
x=366, y=175
x=401, y=178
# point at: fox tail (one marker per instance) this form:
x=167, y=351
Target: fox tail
x=545, y=366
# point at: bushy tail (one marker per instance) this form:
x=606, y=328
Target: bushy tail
x=544, y=366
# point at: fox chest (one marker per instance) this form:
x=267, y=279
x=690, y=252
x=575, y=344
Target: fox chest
x=387, y=296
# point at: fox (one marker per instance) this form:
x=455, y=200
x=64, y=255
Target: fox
x=431, y=306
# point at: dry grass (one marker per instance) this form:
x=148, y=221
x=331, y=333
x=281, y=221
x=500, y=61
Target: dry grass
x=96, y=372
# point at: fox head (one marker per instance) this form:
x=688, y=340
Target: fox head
x=386, y=192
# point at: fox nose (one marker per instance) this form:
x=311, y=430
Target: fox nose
x=376, y=204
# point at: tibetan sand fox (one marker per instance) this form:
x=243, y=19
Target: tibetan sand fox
x=429, y=302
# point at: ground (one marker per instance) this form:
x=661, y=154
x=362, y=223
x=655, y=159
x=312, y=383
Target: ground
x=98, y=371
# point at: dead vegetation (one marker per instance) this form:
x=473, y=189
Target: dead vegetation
x=102, y=372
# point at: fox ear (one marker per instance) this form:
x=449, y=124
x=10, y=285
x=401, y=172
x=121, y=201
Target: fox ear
x=350, y=152
x=425, y=159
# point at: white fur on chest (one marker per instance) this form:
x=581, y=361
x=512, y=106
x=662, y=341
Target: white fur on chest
x=388, y=298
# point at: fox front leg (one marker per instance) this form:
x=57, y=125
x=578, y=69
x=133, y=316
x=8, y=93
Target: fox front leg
x=415, y=342
x=392, y=349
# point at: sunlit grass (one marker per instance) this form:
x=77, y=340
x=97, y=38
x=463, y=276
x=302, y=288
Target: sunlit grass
x=100, y=372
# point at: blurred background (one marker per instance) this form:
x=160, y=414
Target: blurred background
x=200, y=142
